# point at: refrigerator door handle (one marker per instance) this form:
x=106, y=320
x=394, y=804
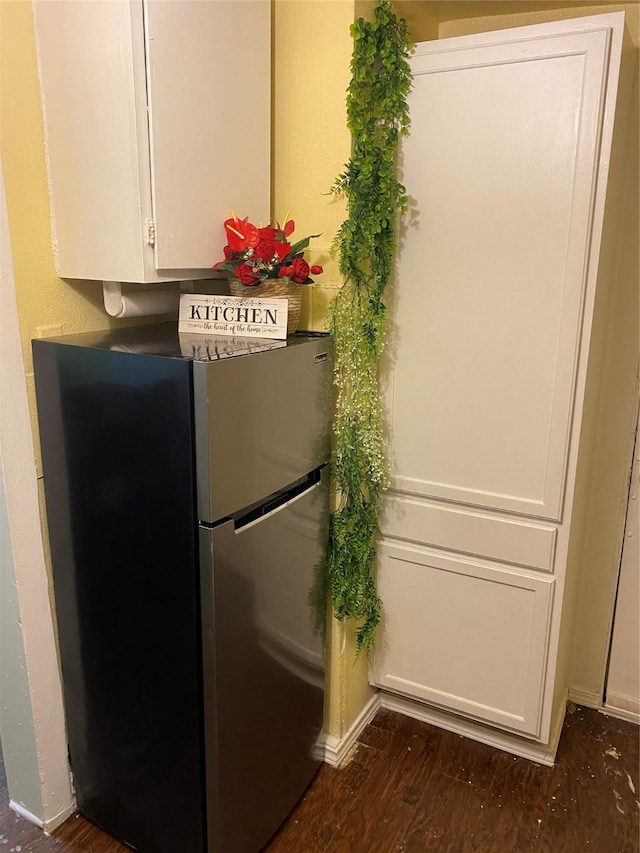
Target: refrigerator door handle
x=240, y=525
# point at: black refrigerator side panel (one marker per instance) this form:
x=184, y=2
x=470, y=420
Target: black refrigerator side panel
x=118, y=460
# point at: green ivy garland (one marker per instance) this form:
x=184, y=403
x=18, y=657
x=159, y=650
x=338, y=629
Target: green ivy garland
x=377, y=115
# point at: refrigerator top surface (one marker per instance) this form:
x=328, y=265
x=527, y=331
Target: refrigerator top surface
x=163, y=340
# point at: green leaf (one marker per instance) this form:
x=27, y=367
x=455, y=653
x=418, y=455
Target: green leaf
x=376, y=109
x=301, y=244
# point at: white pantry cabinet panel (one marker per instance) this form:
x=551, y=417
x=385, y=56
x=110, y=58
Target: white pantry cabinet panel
x=464, y=635
x=516, y=541
x=145, y=151
x=501, y=162
x=509, y=335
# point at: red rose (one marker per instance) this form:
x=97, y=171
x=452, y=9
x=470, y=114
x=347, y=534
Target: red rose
x=300, y=270
x=241, y=234
x=284, y=271
x=247, y=275
x=265, y=250
x=281, y=250
x=316, y=270
x=228, y=253
x=267, y=233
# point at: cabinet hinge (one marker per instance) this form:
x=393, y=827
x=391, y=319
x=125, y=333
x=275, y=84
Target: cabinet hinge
x=150, y=232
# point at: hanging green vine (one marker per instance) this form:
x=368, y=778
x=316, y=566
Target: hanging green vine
x=377, y=115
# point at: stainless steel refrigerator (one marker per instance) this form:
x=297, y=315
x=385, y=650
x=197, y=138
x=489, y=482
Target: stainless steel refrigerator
x=186, y=485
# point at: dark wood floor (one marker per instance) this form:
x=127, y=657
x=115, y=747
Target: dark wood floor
x=413, y=788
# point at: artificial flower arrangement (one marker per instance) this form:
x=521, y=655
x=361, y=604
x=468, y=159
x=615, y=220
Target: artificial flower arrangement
x=254, y=254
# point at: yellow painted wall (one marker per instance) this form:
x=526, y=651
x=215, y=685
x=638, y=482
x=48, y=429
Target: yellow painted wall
x=430, y=19
x=311, y=144
x=422, y=20
x=489, y=20
x=312, y=52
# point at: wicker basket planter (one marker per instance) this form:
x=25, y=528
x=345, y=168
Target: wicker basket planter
x=273, y=288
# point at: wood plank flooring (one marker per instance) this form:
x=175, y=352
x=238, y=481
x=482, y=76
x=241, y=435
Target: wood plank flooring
x=412, y=788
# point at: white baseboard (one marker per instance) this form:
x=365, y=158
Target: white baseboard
x=25, y=813
x=534, y=751
x=585, y=697
x=48, y=825
x=54, y=822
x=622, y=707
x=337, y=750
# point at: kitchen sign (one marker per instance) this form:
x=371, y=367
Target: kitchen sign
x=233, y=315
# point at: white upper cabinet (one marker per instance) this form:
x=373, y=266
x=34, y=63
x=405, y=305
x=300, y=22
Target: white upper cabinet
x=157, y=122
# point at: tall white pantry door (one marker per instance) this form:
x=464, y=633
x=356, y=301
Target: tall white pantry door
x=490, y=310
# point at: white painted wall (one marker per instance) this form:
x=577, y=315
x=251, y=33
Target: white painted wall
x=16, y=720
x=623, y=680
x=615, y=408
x=623, y=683
x=36, y=695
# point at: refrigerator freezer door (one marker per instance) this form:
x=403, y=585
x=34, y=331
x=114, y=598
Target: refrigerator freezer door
x=262, y=422
x=263, y=666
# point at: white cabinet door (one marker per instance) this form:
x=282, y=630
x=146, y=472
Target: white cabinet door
x=157, y=122
x=463, y=634
x=208, y=68
x=501, y=164
x=91, y=62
